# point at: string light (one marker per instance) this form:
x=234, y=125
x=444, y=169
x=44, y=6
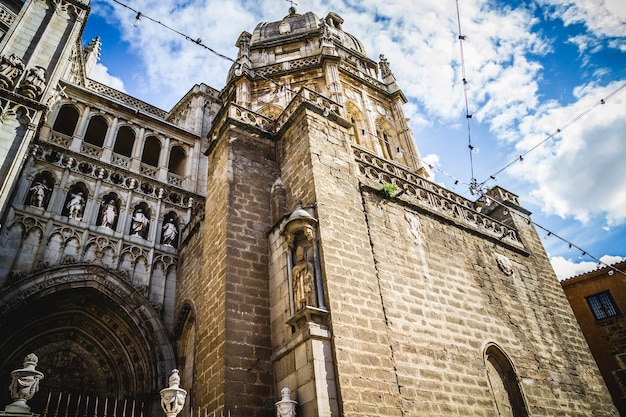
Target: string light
x=474, y=186
x=472, y=150
x=575, y=119
x=583, y=253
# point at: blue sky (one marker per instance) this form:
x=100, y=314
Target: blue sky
x=531, y=66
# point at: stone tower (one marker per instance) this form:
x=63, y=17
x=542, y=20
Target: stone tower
x=328, y=264
x=276, y=238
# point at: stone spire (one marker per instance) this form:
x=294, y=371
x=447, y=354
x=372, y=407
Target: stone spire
x=92, y=54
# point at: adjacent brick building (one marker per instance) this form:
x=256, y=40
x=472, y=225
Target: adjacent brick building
x=598, y=299
x=278, y=233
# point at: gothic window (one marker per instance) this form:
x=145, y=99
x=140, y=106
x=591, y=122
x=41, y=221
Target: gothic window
x=505, y=388
x=124, y=141
x=66, y=120
x=40, y=190
x=74, y=206
x=177, y=161
x=140, y=222
x=151, y=151
x=96, y=131
x=386, y=141
x=602, y=305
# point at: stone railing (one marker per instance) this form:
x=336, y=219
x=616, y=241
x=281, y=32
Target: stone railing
x=148, y=170
x=125, y=98
x=120, y=160
x=236, y=112
x=306, y=95
x=91, y=150
x=431, y=197
x=175, y=180
x=60, y=139
x=272, y=69
x=360, y=74
x=145, y=185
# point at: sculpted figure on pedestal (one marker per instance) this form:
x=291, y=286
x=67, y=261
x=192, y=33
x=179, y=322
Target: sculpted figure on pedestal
x=303, y=281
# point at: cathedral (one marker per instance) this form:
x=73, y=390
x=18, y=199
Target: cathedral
x=277, y=240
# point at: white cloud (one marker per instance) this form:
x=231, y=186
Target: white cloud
x=101, y=74
x=566, y=268
x=603, y=18
x=579, y=173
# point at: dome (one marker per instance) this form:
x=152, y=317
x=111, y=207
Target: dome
x=292, y=24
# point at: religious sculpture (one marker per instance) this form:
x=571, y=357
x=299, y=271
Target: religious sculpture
x=173, y=397
x=11, y=69
x=139, y=224
x=169, y=233
x=24, y=384
x=109, y=214
x=76, y=205
x=34, y=83
x=39, y=193
x=303, y=281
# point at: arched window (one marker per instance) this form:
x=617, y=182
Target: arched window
x=124, y=141
x=151, y=151
x=66, y=120
x=503, y=383
x=386, y=141
x=96, y=131
x=177, y=161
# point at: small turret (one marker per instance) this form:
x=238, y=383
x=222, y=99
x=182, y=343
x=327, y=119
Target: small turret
x=92, y=54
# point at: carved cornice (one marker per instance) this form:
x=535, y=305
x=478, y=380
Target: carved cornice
x=424, y=194
x=124, y=98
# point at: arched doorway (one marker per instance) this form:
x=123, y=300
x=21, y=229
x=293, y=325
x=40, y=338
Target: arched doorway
x=94, y=334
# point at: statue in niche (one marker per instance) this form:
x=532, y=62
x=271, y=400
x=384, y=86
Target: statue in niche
x=109, y=214
x=139, y=224
x=169, y=233
x=39, y=193
x=76, y=205
x=303, y=281
x=11, y=69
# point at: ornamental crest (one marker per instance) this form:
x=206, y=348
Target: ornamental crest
x=504, y=264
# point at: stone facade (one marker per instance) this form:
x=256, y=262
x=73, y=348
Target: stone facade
x=244, y=238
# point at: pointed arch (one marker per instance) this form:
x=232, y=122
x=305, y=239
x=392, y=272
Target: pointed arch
x=151, y=151
x=503, y=381
x=386, y=140
x=124, y=141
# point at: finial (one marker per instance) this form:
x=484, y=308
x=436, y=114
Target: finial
x=292, y=9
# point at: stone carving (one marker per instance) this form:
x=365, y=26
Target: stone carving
x=139, y=224
x=24, y=384
x=34, y=83
x=286, y=407
x=39, y=193
x=173, y=397
x=303, y=281
x=415, y=227
x=76, y=206
x=169, y=233
x=385, y=71
x=11, y=69
x=504, y=264
x=109, y=215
